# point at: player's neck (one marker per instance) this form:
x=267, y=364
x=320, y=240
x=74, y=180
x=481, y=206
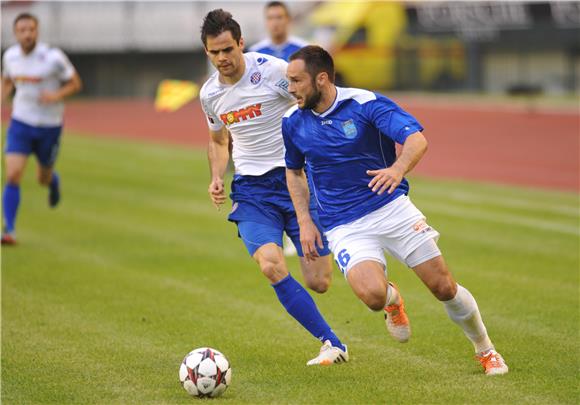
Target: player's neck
x=29, y=50
x=327, y=100
x=280, y=39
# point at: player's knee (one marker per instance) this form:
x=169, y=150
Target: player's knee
x=375, y=299
x=444, y=289
x=319, y=285
x=273, y=269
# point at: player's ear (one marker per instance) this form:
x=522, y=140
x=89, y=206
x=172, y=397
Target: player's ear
x=241, y=43
x=321, y=78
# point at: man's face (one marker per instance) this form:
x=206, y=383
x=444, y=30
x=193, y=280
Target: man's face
x=225, y=53
x=26, y=33
x=277, y=21
x=302, y=86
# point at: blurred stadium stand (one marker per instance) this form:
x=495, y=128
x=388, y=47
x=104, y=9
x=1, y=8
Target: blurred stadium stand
x=127, y=48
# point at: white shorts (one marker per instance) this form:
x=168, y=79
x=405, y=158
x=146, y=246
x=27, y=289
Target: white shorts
x=398, y=228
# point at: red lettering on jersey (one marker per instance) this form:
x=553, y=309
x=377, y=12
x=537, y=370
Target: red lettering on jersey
x=27, y=79
x=243, y=114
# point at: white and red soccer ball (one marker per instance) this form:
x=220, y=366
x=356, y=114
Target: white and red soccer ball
x=205, y=372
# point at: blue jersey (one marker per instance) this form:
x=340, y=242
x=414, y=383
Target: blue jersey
x=357, y=133
x=282, y=51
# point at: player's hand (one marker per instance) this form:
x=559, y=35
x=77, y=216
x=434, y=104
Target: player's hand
x=49, y=97
x=385, y=179
x=310, y=238
x=217, y=192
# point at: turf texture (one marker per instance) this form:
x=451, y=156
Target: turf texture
x=104, y=295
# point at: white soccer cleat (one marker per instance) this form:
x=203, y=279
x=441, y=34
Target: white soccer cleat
x=329, y=355
x=492, y=363
x=397, y=321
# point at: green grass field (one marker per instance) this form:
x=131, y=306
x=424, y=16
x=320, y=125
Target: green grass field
x=106, y=294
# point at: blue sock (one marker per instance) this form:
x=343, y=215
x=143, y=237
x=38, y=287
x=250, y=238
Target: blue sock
x=55, y=180
x=10, y=202
x=301, y=306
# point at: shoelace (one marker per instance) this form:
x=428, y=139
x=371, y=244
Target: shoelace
x=490, y=360
x=397, y=318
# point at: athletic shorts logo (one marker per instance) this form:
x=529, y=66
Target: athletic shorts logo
x=349, y=129
x=234, y=207
x=255, y=77
x=421, y=227
x=243, y=114
x=210, y=119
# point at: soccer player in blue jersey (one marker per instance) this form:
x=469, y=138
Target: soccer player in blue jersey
x=280, y=43
x=247, y=97
x=347, y=137
x=43, y=77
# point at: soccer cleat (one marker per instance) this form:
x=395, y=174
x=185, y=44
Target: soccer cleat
x=492, y=363
x=396, y=319
x=53, y=194
x=329, y=355
x=8, y=239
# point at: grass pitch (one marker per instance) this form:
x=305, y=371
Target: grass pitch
x=106, y=294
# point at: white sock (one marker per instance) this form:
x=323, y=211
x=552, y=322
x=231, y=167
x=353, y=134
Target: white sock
x=463, y=310
x=392, y=295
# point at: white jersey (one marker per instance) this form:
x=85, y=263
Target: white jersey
x=252, y=110
x=43, y=69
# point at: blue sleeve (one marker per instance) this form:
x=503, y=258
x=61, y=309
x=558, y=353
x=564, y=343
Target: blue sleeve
x=391, y=119
x=294, y=157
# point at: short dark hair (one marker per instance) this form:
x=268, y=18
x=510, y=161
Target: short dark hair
x=218, y=21
x=25, y=16
x=277, y=4
x=316, y=59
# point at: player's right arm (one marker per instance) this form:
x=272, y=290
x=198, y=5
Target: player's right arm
x=310, y=236
x=7, y=88
x=218, y=155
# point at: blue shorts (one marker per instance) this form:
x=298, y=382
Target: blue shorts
x=263, y=210
x=26, y=139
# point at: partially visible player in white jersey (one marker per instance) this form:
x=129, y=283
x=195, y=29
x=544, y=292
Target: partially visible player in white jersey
x=248, y=96
x=42, y=76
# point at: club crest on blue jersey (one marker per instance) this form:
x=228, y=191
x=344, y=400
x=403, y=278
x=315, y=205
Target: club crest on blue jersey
x=349, y=129
x=255, y=77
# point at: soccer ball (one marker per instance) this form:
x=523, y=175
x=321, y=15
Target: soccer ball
x=205, y=372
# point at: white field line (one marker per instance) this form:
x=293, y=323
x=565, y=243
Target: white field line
x=505, y=219
x=502, y=201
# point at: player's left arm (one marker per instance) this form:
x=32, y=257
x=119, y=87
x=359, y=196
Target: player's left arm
x=388, y=179
x=67, y=74
x=70, y=87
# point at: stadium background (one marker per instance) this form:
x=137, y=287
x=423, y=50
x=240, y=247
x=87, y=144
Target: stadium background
x=495, y=84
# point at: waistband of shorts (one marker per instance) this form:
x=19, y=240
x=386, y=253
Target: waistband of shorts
x=276, y=172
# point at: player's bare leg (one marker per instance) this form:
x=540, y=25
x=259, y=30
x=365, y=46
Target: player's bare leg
x=317, y=273
x=300, y=304
x=369, y=282
x=462, y=309
x=47, y=177
x=271, y=261
x=15, y=166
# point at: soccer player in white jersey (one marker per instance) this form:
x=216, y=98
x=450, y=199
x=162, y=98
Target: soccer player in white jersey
x=348, y=138
x=248, y=96
x=43, y=76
